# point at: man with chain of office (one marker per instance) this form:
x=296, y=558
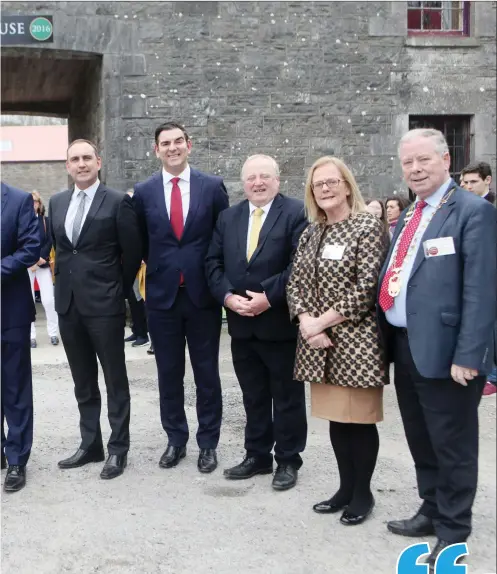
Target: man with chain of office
x=436, y=316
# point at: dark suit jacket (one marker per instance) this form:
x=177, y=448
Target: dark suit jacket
x=100, y=269
x=490, y=197
x=451, y=299
x=20, y=250
x=166, y=257
x=45, y=238
x=267, y=271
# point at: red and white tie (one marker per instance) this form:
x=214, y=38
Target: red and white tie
x=176, y=213
x=386, y=300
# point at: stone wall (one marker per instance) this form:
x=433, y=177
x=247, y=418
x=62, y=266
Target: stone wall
x=46, y=177
x=293, y=79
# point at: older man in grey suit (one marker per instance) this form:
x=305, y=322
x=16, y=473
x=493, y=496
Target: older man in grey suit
x=437, y=310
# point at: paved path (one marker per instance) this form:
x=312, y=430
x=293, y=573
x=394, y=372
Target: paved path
x=154, y=521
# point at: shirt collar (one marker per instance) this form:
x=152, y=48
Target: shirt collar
x=90, y=191
x=184, y=175
x=265, y=208
x=435, y=198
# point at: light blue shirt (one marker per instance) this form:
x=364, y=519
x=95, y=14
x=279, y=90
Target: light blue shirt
x=396, y=315
x=74, y=204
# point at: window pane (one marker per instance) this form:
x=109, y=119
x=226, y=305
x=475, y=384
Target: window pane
x=436, y=16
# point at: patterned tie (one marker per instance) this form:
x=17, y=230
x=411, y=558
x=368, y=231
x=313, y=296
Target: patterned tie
x=255, y=231
x=176, y=214
x=78, y=220
x=386, y=300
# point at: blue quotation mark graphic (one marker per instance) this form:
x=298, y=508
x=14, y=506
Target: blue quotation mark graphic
x=407, y=562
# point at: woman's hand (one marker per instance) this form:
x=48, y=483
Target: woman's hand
x=321, y=341
x=310, y=326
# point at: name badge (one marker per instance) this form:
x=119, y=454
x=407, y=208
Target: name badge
x=439, y=246
x=333, y=252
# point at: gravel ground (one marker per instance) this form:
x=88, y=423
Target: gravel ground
x=177, y=521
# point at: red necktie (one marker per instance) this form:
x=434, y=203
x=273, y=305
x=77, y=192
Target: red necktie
x=176, y=213
x=386, y=300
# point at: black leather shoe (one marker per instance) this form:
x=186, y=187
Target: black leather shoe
x=172, y=455
x=150, y=350
x=114, y=466
x=4, y=461
x=439, y=546
x=249, y=467
x=349, y=519
x=207, y=460
x=82, y=457
x=285, y=477
x=328, y=507
x=15, y=479
x=416, y=527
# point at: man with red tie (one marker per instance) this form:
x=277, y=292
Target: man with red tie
x=437, y=309
x=177, y=210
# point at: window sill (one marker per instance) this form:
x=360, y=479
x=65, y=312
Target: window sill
x=434, y=41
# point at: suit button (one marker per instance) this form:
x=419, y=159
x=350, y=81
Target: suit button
x=74, y=252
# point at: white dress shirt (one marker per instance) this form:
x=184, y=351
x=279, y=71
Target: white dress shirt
x=252, y=208
x=74, y=204
x=396, y=315
x=184, y=186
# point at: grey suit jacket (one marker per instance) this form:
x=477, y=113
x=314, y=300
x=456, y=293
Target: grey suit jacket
x=451, y=299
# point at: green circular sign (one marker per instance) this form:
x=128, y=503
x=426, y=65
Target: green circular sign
x=41, y=29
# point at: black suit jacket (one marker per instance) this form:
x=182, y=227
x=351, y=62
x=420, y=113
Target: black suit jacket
x=45, y=238
x=267, y=271
x=100, y=269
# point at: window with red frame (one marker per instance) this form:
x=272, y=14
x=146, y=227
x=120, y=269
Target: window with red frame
x=443, y=17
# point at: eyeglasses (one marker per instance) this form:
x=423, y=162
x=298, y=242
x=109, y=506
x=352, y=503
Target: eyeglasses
x=330, y=184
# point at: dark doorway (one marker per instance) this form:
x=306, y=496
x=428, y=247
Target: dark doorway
x=57, y=83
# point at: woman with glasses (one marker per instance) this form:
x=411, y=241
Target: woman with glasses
x=332, y=293
x=43, y=274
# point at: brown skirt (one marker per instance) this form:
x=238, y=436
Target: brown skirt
x=347, y=404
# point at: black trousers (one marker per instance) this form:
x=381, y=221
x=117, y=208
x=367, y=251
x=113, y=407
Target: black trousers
x=86, y=338
x=17, y=395
x=170, y=330
x=440, y=420
x=138, y=316
x=274, y=402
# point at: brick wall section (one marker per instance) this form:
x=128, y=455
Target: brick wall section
x=293, y=79
x=46, y=177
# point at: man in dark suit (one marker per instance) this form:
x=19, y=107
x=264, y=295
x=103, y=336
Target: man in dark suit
x=438, y=302
x=248, y=266
x=20, y=250
x=97, y=255
x=177, y=210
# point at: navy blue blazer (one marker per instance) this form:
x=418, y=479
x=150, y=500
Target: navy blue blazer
x=20, y=250
x=267, y=271
x=451, y=299
x=165, y=255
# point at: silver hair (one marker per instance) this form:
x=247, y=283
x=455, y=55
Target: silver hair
x=261, y=156
x=436, y=135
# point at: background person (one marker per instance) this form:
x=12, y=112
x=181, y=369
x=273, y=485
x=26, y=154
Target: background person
x=43, y=274
x=332, y=292
x=394, y=206
x=477, y=178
